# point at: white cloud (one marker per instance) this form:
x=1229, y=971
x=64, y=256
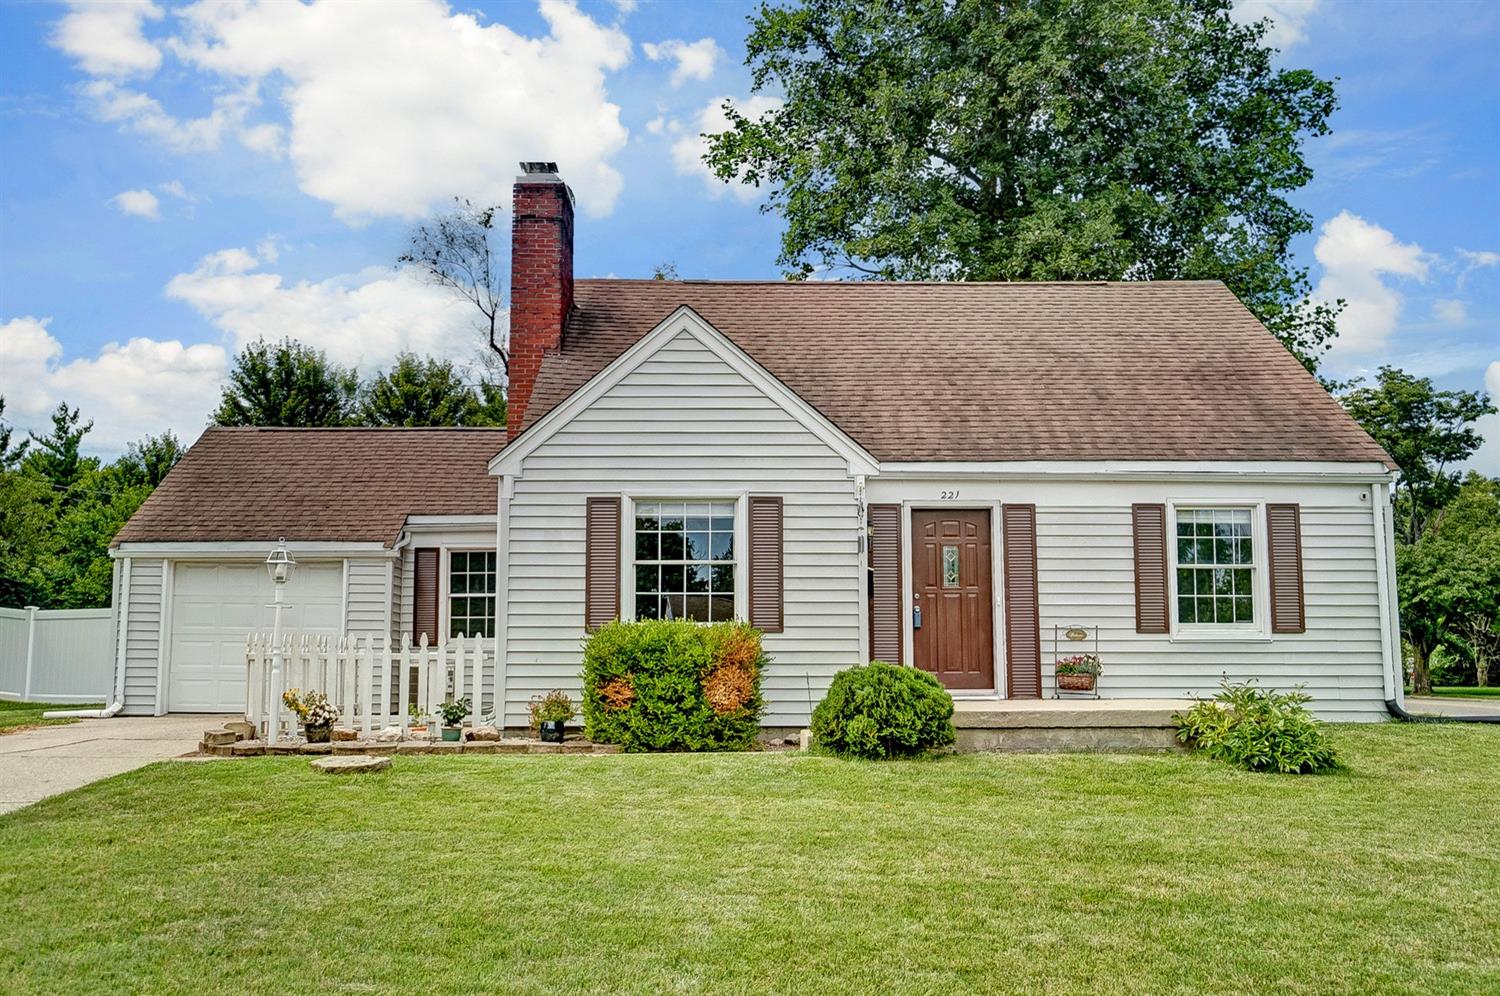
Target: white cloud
x=1288, y=19
x=105, y=37
x=362, y=319
x=1356, y=255
x=177, y=190
x=1486, y=459
x=145, y=115
x=1450, y=310
x=695, y=60
x=687, y=152
x=142, y=387
x=393, y=108
x=1479, y=258
x=141, y=203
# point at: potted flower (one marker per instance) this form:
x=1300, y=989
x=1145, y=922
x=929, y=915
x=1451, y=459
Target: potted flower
x=550, y=713
x=317, y=714
x=453, y=714
x=1078, y=674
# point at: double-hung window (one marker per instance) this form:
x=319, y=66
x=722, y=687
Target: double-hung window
x=471, y=593
x=685, y=566
x=1216, y=567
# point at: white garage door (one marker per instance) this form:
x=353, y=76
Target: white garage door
x=215, y=605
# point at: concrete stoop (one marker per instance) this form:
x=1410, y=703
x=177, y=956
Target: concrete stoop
x=1050, y=725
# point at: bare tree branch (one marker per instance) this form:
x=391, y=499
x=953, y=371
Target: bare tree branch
x=453, y=250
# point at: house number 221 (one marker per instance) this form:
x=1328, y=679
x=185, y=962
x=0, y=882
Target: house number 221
x=948, y=495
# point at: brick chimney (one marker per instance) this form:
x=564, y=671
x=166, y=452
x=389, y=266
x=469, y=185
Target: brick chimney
x=541, y=279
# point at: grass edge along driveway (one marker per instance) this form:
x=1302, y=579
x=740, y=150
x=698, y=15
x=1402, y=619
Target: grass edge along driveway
x=769, y=873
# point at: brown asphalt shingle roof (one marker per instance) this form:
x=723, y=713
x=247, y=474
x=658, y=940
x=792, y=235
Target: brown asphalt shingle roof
x=350, y=485
x=1172, y=370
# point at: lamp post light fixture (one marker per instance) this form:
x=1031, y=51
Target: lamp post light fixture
x=279, y=565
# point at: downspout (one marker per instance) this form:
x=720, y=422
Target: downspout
x=113, y=709
x=1394, y=708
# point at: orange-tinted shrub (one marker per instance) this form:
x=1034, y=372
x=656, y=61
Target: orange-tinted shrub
x=618, y=693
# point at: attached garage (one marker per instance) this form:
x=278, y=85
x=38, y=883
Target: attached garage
x=214, y=605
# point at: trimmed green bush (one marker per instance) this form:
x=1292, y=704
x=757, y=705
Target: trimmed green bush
x=1259, y=729
x=673, y=685
x=880, y=710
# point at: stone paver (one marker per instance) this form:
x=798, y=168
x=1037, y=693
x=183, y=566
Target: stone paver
x=53, y=759
x=1443, y=705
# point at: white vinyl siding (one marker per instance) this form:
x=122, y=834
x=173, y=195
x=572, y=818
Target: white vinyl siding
x=366, y=606
x=143, y=634
x=683, y=424
x=1086, y=575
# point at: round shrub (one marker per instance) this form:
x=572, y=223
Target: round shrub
x=673, y=685
x=881, y=710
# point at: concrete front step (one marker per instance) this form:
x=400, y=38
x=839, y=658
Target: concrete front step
x=1066, y=725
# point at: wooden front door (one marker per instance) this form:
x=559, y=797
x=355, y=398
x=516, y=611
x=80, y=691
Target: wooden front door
x=953, y=597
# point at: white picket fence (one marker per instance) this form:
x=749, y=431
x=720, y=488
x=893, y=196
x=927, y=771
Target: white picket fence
x=371, y=686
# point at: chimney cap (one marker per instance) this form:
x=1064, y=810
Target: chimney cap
x=534, y=168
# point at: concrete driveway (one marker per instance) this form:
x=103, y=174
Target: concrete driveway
x=53, y=759
x=1450, y=705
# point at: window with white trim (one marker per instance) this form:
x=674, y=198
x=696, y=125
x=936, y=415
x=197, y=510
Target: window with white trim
x=685, y=566
x=471, y=593
x=1216, y=567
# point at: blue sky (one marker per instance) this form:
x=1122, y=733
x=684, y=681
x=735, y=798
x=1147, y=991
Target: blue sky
x=178, y=180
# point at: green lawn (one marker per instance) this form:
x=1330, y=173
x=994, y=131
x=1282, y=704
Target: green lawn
x=769, y=873
x=1469, y=691
x=19, y=715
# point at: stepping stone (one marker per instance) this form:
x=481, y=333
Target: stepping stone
x=348, y=764
x=242, y=729
x=216, y=738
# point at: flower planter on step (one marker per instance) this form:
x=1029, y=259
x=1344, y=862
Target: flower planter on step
x=1076, y=682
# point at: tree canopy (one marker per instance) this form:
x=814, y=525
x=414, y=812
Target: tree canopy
x=1448, y=582
x=1034, y=140
x=1426, y=431
x=287, y=384
x=59, y=510
x=426, y=391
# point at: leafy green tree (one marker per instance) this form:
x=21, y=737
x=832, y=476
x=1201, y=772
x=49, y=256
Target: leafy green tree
x=419, y=391
x=26, y=518
x=492, y=406
x=1448, y=582
x=1034, y=140
x=57, y=458
x=9, y=456
x=79, y=570
x=148, y=461
x=1426, y=431
x=287, y=384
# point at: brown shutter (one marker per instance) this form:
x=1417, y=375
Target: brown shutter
x=1023, y=631
x=766, y=575
x=1284, y=543
x=1148, y=524
x=601, y=571
x=425, y=596
x=887, y=623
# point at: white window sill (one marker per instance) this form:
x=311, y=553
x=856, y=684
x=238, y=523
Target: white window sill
x=1226, y=635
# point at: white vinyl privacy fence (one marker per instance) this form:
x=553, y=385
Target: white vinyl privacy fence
x=55, y=655
x=372, y=683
